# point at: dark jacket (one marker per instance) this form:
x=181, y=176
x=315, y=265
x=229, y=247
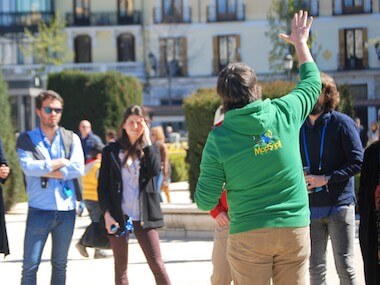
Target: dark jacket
x=366, y=201
x=342, y=157
x=4, y=247
x=110, y=186
x=89, y=143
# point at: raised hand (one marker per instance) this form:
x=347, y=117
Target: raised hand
x=301, y=24
x=299, y=35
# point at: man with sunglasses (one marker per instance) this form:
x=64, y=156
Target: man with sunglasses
x=50, y=168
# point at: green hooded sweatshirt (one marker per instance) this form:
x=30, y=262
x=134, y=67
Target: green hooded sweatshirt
x=255, y=155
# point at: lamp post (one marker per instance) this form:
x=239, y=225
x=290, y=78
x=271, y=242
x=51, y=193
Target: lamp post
x=288, y=65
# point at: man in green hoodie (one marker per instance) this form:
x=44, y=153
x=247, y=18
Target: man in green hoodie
x=255, y=155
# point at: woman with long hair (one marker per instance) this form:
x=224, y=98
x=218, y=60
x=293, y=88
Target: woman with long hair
x=162, y=180
x=128, y=197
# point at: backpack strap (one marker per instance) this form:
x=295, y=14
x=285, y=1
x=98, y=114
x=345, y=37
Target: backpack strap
x=25, y=143
x=67, y=139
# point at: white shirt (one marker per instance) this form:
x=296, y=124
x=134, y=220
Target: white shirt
x=130, y=175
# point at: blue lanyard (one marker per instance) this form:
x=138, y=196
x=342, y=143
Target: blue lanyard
x=321, y=146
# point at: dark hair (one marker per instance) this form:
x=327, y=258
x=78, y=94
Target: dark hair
x=110, y=134
x=330, y=90
x=237, y=86
x=96, y=149
x=129, y=149
x=47, y=94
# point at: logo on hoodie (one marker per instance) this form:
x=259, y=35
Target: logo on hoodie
x=265, y=143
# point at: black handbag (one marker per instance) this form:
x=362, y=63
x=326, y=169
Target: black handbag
x=95, y=236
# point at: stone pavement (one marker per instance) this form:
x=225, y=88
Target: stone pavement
x=187, y=259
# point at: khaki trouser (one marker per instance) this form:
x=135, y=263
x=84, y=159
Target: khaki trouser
x=280, y=254
x=221, y=274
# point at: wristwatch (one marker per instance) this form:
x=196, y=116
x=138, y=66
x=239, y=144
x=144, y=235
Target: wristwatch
x=327, y=178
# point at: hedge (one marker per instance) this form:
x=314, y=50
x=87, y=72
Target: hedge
x=179, y=166
x=199, y=112
x=100, y=98
x=13, y=189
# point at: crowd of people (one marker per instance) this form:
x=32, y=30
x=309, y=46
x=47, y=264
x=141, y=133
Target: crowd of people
x=276, y=175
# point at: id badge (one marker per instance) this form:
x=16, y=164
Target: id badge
x=67, y=191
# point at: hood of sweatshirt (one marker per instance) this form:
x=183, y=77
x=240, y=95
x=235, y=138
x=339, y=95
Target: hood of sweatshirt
x=253, y=119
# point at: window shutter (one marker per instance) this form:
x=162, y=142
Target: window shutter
x=342, y=49
x=238, y=49
x=365, y=50
x=184, y=56
x=216, y=54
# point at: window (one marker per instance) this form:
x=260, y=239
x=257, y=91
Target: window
x=82, y=12
x=353, y=55
x=226, y=50
x=172, y=11
x=125, y=7
x=226, y=7
x=126, y=47
x=82, y=46
x=352, y=6
x=11, y=52
x=173, y=56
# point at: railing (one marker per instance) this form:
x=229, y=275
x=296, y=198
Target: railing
x=128, y=68
x=104, y=19
x=237, y=15
x=160, y=18
x=17, y=22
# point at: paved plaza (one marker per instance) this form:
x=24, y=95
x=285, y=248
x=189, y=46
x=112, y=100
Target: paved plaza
x=187, y=260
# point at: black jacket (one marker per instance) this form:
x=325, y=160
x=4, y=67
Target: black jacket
x=342, y=157
x=367, y=229
x=110, y=186
x=4, y=247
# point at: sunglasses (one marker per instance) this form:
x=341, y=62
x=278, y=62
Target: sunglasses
x=49, y=110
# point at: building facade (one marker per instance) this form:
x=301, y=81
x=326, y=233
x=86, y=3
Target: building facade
x=177, y=46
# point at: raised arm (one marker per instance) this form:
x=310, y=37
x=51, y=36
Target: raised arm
x=299, y=35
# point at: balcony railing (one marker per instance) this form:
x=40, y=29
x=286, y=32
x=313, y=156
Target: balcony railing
x=104, y=19
x=12, y=22
x=237, y=15
x=161, y=18
x=128, y=68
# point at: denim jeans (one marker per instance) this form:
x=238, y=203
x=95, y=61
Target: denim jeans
x=38, y=226
x=341, y=229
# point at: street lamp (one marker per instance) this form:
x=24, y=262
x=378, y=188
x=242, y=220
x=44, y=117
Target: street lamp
x=288, y=65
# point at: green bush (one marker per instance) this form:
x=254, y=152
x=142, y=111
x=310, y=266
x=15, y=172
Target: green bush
x=13, y=190
x=179, y=166
x=199, y=112
x=100, y=98
x=276, y=89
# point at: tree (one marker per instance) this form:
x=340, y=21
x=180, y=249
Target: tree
x=346, y=104
x=49, y=44
x=14, y=188
x=279, y=18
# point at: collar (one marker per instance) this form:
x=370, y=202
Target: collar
x=320, y=120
